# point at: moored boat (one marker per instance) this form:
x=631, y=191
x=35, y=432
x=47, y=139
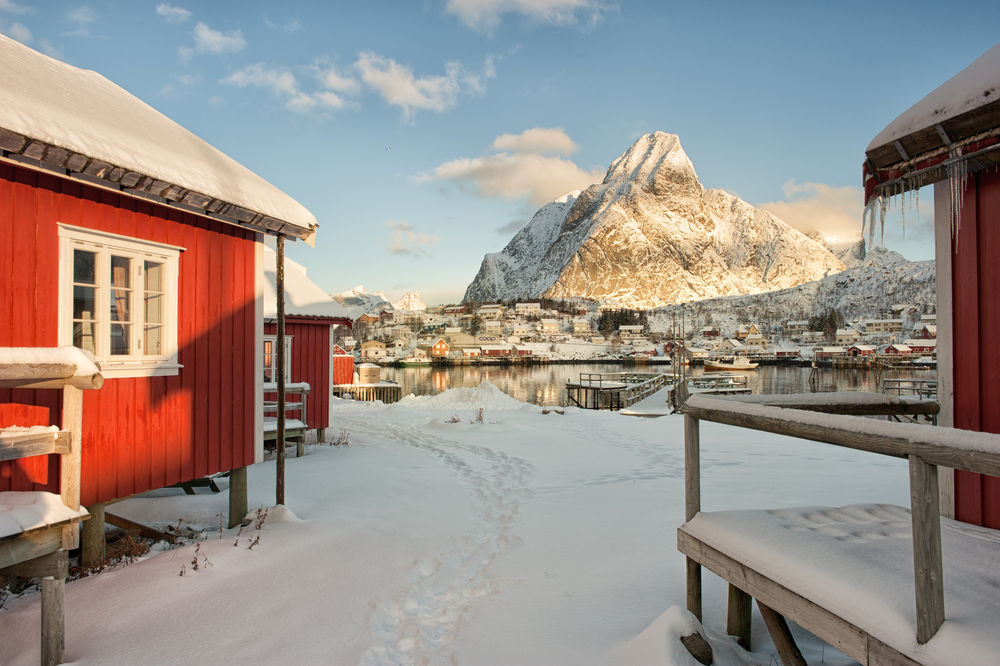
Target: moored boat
x=726, y=363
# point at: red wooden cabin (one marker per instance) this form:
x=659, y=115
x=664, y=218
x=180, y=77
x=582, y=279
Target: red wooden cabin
x=310, y=315
x=951, y=139
x=124, y=234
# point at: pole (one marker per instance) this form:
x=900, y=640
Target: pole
x=279, y=491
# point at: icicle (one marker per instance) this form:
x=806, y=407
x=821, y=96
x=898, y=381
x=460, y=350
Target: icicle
x=882, y=210
x=958, y=174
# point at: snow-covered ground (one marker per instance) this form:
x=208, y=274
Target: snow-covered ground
x=439, y=537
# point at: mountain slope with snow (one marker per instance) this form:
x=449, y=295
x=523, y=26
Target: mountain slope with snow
x=409, y=302
x=650, y=235
x=359, y=301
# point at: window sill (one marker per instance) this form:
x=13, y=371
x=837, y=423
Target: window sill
x=115, y=370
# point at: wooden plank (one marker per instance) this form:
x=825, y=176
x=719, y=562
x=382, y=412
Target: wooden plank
x=55, y=564
x=855, y=432
x=692, y=467
x=14, y=446
x=53, y=621
x=738, y=615
x=782, y=638
x=30, y=545
x=928, y=576
x=853, y=403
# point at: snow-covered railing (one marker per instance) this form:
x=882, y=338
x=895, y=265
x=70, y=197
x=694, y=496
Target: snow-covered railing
x=39, y=527
x=295, y=429
x=814, y=417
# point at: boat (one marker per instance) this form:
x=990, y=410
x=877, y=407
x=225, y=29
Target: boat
x=726, y=363
x=414, y=362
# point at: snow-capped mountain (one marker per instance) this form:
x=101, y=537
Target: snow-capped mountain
x=882, y=279
x=359, y=301
x=650, y=235
x=409, y=302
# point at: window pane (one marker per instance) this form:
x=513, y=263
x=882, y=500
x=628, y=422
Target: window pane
x=154, y=309
x=153, y=340
x=83, y=266
x=83, y=336
x=154, y=276
x=120, y=339
x=84, y=302
x=121, y=274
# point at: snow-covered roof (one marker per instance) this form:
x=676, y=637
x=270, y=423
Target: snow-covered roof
x=303, y=297
x=78, y=122
x=957, y=121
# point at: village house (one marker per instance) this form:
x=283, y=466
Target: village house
x=522, y=329
x=452, y=310
x=897, y=349
x=492, y=327
x=827, y=352
x=373, y=349
x=129, y=237
x=549, y=327
x=369, y=318
x=710, y=332
x=922, y=346
x=847, y=336
x=498, y=350
x=883, y=326
x=525, y=309
x=812, y=337
x=731, y=346
x=925, y=331
x=581, y=327
x=861, y=350
x=490, y=311
x=755, y=341
x=440, y=348
x=747, y=329
x=631, y=332
x=471, y=352
x=796, y=327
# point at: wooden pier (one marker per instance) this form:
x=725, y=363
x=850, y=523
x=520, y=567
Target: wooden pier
x=613, y=390
x=385, y=391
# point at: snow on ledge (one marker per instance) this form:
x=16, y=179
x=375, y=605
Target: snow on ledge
x=84, y=362
x=23, y=511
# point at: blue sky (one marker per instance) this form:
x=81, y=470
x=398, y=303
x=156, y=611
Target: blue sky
x=422, y=134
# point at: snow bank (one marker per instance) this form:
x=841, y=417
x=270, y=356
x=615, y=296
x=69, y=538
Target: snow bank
x=485, y=396
x=23, y=511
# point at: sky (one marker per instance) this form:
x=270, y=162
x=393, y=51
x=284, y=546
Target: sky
x=424, y=134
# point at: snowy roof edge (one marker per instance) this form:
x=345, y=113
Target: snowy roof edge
x=77, y=123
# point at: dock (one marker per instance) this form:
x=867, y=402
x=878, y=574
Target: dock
x=387, y=392
x=613, y=390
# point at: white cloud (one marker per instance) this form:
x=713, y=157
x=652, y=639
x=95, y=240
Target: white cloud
x=214, y=42
x=406, y=240
x=332, y=79
x=539, y=178
x=289, y=27
x=14, y=8
x=835, y=212
x=399, y=86
x=541, y=140
x=49, y=49
x=20, y=32
x=284, y=85
x=486, y=14
x=82, y=15
x=172, y=13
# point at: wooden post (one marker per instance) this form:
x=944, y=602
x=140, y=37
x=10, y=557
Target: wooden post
x=782, y=638
x=238, y=506
x=692, y=505
x=93, y=549
x=279, y=491
x=69, y=463
x=53, y=613
x=928, y=578
x=738, y=616
x=320, y=435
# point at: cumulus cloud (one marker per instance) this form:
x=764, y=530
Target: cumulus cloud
x=172, y=13
x=407, y=241
x=284, y=85
x=14, y=8
x=486, y=14
x=539, y=178
x=541, y=140
x=214, y=42
x=399, y=86
x=835, y=212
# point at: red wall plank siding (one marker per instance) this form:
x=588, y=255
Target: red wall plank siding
x=144, y=432
x=976, y=316
x=310, y=362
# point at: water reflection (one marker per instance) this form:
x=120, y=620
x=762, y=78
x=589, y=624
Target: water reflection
x=546, y=384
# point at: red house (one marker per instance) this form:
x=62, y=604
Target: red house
x=951, y=139
x=126, y=235
x=310, y=316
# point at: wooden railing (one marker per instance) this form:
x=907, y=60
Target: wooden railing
x=925, y=447
x=292, y=434
x=42, y=551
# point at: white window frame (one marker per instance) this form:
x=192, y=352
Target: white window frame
x=104, y=245
x=288, y=357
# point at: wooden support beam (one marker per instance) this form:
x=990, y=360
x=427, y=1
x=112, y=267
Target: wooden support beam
x=93, y=548
x=53, y=621
x=14, y=446
x=54, y=564
x=694, y=588
x=143, y=530
x=738, y=616
x=238, y=506
x=30, y=545
x=69, y=463
x=928, y=576
x=782, y=638
x=692, y=505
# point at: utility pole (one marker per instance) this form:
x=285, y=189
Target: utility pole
x=279, y=269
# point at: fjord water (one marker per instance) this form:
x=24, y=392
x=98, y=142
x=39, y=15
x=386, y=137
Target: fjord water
x=546, y=384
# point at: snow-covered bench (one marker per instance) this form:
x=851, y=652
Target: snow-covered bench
x=38, y=528
x=295, y=429
x=850, y=575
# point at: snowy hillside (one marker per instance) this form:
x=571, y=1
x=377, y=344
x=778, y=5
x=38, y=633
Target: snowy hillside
x=650, y=235
x=359, y=301
x=882, y=279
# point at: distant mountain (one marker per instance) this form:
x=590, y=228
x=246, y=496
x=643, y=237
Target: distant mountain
x=650, y=235
x=359, y=301
x=882, y=279
x=409, y=302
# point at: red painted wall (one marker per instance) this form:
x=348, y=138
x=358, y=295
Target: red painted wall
x=310, y=362
x=139, y=433
x=976, y=317
x=343, y=369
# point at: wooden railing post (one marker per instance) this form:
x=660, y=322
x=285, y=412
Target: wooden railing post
x=928, y=577
x=692, y=505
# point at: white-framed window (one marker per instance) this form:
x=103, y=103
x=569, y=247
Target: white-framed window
x=118, y=300
x=271, y=358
